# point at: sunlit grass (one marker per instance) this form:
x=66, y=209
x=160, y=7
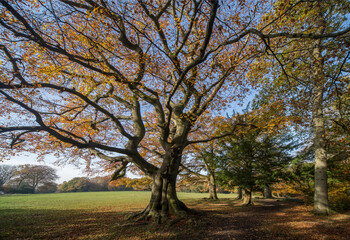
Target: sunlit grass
x=114, y=201
x=89, y=215
x=76, y=201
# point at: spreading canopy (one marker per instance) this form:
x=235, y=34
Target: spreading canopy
x=115, y=77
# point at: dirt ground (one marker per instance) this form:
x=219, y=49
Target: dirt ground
x=267, y=219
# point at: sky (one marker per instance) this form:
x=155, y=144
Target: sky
x=65, y=173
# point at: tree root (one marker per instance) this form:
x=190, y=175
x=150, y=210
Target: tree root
x=160, y=218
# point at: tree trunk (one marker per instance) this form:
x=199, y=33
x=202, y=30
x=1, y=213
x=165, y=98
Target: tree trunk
x=267, y=193
x=164, y=204
x=321, y=188
x=212, y=187
x=247, y=197
x=239, y=193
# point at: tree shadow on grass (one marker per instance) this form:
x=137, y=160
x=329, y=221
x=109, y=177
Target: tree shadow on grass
x=224, y=219
x=56, y=224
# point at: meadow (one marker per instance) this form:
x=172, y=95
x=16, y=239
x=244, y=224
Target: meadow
x=83, y=215
x=103, y=215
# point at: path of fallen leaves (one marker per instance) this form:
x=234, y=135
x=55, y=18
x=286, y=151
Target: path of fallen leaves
x=267, y=219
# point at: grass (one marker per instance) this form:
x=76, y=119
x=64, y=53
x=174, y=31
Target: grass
x=89, y=215
x=102, y=215
x=96, y=201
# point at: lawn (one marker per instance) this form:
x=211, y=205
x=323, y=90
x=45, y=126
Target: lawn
x=103, y=215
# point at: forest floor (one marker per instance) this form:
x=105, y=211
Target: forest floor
x=104, y=216
x=267, y=219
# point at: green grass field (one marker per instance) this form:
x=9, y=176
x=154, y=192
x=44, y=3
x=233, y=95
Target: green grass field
x=90, y=215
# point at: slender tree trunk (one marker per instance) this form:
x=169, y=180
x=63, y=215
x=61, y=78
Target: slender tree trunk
x=321, y=188
x=267, y=193
x=212, y=187
x=239, y=193
x=247, y=197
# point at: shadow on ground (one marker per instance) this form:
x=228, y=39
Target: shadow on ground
x=223, y=219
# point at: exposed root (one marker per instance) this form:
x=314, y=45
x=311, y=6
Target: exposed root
x=139, y=215
x=177, y=209
x=248, y=203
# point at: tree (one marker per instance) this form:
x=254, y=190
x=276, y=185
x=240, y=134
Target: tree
x=99, y=184
x=253, y=160
x=121, y=184
x=47, y=187
x=338, y=140
x=125, y=81
x=6, y=173
x=32, y=177
x=145, y=63
x=77, y=184
x=312, y=72
x=201, y=166
x=301, y=174
x=209, y=161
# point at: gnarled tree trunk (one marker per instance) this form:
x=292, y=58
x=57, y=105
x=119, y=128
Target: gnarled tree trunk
x=164, y=203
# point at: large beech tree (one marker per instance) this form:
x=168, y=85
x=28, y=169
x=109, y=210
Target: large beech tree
x=126, y=81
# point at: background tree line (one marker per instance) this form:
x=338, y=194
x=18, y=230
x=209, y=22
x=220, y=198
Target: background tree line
x=28, y=179
x=42, y=179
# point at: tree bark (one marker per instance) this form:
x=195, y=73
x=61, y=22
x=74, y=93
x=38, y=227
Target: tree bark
x=239, y=193
x=212, y=187
x=247, y=197
x=267, y=193
x=321, y=187
x=164, y=203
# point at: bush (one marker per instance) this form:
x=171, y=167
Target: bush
x=338, y=198
x=339, y=202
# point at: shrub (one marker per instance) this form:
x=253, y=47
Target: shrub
x=339, y=202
